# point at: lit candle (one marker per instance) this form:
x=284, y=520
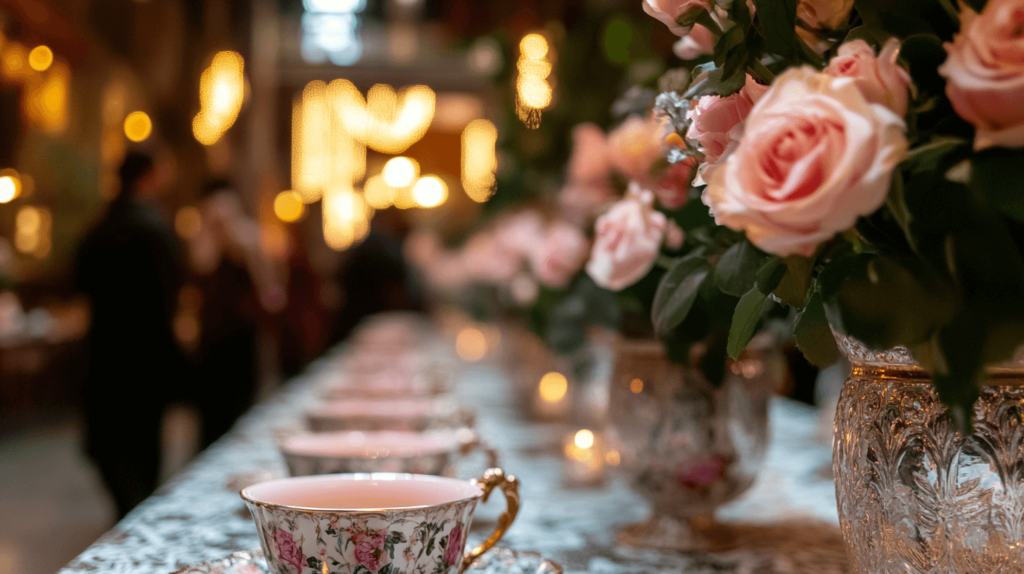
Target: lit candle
x=551, y=400
x=586, y=458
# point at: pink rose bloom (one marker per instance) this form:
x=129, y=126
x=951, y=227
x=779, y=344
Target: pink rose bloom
x=668, y=12
x=699, y=42
x=881, y=79
x=985, y=73
x=824, y=14
x=589, y=159
x=286, y=547
x=485, y=259
x=815, y=156
x=714, y=117
x=672, y=187
x=560, y=256
x=701, y=473
x=453, y=553
x=580, y=200
x=674, y=236
x=519, y=232
x=370, y=549
x=635, y=145
x=628, y=240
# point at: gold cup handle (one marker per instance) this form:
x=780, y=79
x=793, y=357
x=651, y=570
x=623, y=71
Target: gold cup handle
x=477, y=444
x=495, y=478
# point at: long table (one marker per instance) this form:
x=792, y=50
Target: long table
x=786, y=523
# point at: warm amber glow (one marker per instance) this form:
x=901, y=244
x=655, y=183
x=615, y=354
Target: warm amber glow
x=400, y=171
x=288, y=206
x=637, y=386
x=8, y=188
x=386, y=120
x=323, y=154
x=32, y=231
x=40, y=58
x=14, y=61
x=188, y=222
x=137, y=126
x=479, y=159
x=378, y=193
x=46, y=101
x=346, y=217
x=221, y=91
x=429, y=191
x=471, y=344
x=584, y=439
x=553, y=387
x=533, y=91
x=613, y=458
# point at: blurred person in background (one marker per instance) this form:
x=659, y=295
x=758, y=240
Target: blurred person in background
x=239, y=288
x=128, y=266
x=376, y=277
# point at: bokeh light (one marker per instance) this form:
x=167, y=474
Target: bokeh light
x=40, y=58
x=429, y=191
x=400, y=171
x=387, y=121
x=584, y=439
x=46, y=102
x=188, y=222
x=288, y=206
x=221, y=92
x=471, y=344
x=8, y=188
x=533, y=91
x=137, y=126
x=553, y=387
x=479, y=159
x=32, y=231
x=378, y=193
x=636, y=386
x=346, y=217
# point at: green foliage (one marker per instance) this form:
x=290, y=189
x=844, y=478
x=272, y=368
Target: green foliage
x=737, y=269
x=813, y=335
x=777, y=23
x=745, y=320
x=677, y=292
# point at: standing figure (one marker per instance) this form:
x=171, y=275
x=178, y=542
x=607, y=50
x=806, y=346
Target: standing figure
x=129, y=268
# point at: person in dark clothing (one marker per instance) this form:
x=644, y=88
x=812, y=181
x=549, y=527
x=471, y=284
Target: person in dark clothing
x=238, y=287
x=129, y=268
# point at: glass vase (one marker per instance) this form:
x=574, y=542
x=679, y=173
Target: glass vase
x=686, y=445
x=916, y=495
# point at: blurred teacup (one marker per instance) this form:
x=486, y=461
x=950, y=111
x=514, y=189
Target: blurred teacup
x=400, y=523
x=384, y=385
x=409, y=414
x=432, y=452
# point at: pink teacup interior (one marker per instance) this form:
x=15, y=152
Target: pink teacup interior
x=394, y=409
x=361, y=491
x=370, y=444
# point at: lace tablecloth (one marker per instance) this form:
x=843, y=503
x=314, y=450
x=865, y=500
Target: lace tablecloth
x=785, y=524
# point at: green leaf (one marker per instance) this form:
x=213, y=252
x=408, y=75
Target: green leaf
x=769, y=275
x=715, y=83
x=937, y=155
x=897, y=205
x=923, y=54
x=792, y=289
x=997, y=173
x=737, y=269
x=813, y=335
x=677, y=292
x=744, y=321
x=862, y=33
x=778, y=25
x=692, y=215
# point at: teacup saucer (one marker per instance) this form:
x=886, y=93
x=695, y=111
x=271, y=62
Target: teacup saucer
x=497, y=561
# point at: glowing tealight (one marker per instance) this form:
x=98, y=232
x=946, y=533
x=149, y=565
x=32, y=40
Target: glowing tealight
x=400, y=171
x=288, y=206
x=471, y=344
x=40, y=58
x=553, y=387
x=429, y=191
x=8, y=188
x=584, y=439
x=137, y=126
x=637, y=386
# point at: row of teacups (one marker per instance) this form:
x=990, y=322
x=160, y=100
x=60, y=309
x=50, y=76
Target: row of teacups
x=384, y=422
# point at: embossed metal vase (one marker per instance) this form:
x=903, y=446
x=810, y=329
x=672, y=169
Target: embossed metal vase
x=915, y=495
x=686, y=445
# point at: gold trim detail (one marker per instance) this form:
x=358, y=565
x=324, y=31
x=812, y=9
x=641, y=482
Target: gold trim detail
x=495, y=478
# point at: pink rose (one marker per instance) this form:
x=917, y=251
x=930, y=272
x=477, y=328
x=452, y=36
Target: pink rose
x=287, y=549
x=485, y=259
x=628, y=240
x=560, y=256
x=985, y=73
x=881, y=79
x=714, y=117
x=824, y=14
x=672, y=187
x=635, y=145
x=670, y=11
x=519, y=232
x=370, y=549
x=589, y=159
x=701, y=473
x=815, y=155
x=699, y=42
x=580, y=200
x=674, y=236
x=453, y=552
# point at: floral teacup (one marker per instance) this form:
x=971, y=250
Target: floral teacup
x=432, y=452
x=408, y=414
x=366, y=523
